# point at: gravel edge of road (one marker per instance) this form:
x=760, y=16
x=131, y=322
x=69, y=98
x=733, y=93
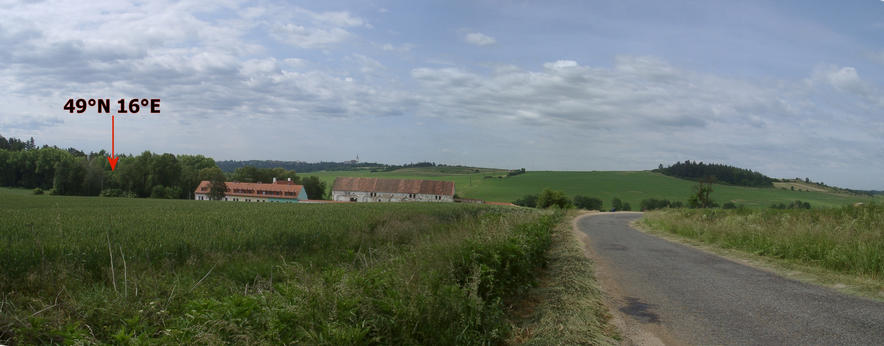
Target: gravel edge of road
x=631, y=332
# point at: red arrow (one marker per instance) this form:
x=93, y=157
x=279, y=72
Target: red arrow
x=113, y=158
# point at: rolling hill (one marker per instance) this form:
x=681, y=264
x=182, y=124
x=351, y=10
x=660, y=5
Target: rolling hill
x=630, y=186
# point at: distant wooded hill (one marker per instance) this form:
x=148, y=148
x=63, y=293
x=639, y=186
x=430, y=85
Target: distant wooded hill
x=717, y=173
x=297, y=166
x=304, y=167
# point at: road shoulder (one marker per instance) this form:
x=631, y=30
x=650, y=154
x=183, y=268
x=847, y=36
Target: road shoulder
x=566, y=307
x=843, y=283
x=632, y=332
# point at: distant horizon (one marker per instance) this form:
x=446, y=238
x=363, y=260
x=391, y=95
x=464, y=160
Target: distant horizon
x=787, y=88
x=38, y=144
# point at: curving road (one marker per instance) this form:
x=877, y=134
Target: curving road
x=686, y=296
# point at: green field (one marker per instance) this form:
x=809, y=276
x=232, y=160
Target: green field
x=629, y=186
x=117, y=270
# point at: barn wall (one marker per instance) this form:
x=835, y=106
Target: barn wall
x=360, y=196
x=204, y=197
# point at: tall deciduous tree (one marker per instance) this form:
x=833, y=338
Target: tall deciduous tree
x=552, y=198
x=701, y=198
x=315, y=187
x=217, y=182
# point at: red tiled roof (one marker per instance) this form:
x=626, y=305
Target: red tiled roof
x=427, y=187
x=278, y=190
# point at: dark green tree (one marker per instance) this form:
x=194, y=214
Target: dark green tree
x=527, y=201
x=617, y=204
x=164, y=171
x=588, y=203
x=701, y=197
x=314, y=187
x=190, y=172
x=553, y=198
x=217, y=182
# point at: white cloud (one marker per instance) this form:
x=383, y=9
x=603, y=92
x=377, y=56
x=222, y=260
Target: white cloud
x=200, y=66
x=402, y=48
x=479, y=39
x=308, y=29
x=644, y=109
x=305, y=37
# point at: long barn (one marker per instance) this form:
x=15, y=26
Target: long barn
x=282, y=191
x=347, y=189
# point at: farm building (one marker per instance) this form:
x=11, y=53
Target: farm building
x=347, y=189
x=284, y=191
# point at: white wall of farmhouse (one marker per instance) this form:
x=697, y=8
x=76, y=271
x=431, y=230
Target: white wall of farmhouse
x=362, y=196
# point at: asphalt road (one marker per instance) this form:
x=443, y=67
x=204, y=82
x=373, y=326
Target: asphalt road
x=703, y=299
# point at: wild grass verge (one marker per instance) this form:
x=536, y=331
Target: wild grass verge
x=846, y=240
x=109, y=270
x=566, y=307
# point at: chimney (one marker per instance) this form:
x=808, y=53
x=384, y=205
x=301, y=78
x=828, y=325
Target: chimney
x=290, y=179
x=274, y=180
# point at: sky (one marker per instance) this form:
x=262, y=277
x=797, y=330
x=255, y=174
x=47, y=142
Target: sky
x=787, y=88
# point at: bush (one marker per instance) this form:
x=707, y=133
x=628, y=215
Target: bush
x=677, y=204
x=527, y=201
x=551, y=198
x=627, y=207
x=617, y=204
x=588, y=203
x=653, y=204
x=158, y=191
x=111, y=193
x=701, y=197
x=729, y=205
x=38, y=191
x=792, y=205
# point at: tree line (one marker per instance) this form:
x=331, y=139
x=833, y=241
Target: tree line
x=716, y=173
x=553, y=198
x=299, y=166
x=73, y=172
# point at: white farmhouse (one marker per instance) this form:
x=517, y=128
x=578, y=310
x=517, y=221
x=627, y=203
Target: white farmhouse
x=346, y=189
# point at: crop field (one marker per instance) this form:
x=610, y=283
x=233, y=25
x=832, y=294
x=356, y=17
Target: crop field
x=629, y=186
x=116, y=270
x=847, y=240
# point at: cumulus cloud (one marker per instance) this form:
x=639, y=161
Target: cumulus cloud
x=307, y=29
x=201, y=66
x=479, y=39
x=643, y=109
x=637, y=91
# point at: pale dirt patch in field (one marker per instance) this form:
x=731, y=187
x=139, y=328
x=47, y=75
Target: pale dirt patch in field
x=632, y=332
x=800, y=186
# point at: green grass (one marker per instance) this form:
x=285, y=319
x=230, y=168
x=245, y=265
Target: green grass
x=116, y=270
x=629, y=186
x=566, y=308
x=846, y=240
